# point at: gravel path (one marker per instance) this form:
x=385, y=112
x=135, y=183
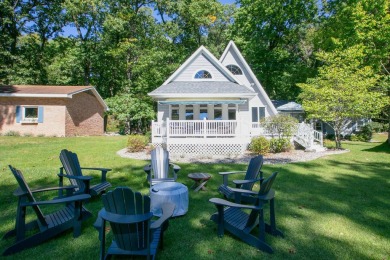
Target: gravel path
x=293, y=156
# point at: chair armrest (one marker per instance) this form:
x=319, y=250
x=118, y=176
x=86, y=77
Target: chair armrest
x=234, y=172
x=167, y=212
x=222, y=202
x=240, y=182
x=96, y=169
x=242, y=191
x=225, y=176
x=175, y=167
x=103, y=171
x=148, y=168
x=58, y=201
x=81, y=178
x=19, y=192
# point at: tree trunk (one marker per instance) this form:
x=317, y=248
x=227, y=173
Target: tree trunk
x=337, y=138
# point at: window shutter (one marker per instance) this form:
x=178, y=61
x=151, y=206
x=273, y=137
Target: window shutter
x=261, y=112
x=18, y=114
x=40, y=114
x=255, y=117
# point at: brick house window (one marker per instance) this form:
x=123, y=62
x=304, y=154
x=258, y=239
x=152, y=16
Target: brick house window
x=29, y=114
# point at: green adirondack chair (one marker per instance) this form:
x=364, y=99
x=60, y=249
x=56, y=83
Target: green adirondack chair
x=71, y=165
x=251, y=177
x=48, y=226
x=131, y=222
x=233, y=217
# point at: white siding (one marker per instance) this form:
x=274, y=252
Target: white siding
x=163, y=112
x=200, y=63
x=258, y=101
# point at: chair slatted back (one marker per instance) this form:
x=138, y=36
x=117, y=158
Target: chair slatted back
x=71, y=164
x=160, y=163
x=264, y=189
x=124, y=201
x=27, y=192
x=253, y=171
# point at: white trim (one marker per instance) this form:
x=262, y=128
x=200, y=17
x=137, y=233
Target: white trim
x=251, y=74
x=200, y=95
x=213, y=60
x=70, y=95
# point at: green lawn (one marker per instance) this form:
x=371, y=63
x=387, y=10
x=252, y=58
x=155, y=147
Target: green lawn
x=335, y=207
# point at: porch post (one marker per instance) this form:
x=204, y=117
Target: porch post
x=168, y=133
x=204, y=128
x=153, y=131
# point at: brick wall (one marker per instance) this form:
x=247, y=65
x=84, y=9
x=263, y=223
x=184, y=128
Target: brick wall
x=53, y=116
x=84, y=115
x=77, y=116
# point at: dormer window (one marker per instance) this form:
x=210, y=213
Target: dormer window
x=203, y=74
x=234, y=69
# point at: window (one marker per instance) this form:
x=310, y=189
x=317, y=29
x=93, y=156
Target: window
x=189, y=112
x=258, y=113
x=29, y=114
x=234, y=69
x=217, y=112
x=232, y=112
x=203, y=74
x=203, y=112
x=175, y=112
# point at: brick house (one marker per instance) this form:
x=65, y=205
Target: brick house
x=51, y=110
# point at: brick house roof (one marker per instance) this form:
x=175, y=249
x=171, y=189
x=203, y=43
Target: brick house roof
x=42, y=89
x=47, y=91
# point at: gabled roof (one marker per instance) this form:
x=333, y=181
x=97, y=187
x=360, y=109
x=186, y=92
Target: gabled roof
x=231, y=46
x=202, y=88
x=35, y=91
x=202, y=50
x=290, y=106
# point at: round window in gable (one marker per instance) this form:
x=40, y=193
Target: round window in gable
x=203, y=74
x=234, y=69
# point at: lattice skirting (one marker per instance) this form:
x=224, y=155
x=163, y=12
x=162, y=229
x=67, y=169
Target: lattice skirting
x=206, y=149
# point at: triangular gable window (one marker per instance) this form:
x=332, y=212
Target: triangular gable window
x=203, y=74
x=234, y=69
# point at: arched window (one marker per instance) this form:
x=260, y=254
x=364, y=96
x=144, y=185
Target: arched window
x=203, y=74
x=234, y=69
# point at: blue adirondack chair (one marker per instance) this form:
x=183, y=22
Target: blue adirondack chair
x=73, y=171
x=233, y=217
x=49, y=226
x=160, y=170
x=251, y=177
x=131, y=222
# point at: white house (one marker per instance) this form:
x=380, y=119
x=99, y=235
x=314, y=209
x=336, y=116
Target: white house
x=210, y=106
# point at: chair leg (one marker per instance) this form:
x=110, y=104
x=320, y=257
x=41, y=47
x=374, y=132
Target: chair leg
x=220, y=220
x=272, y=227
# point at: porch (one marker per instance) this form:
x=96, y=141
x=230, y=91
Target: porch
x=210, y=137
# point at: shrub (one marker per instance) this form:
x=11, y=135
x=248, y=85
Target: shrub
x=136, y=143
x=283, y=126
x=280, y=145
x=365, y=134
x=259, y=145
x=329, y=144
x=12, y=133
x=28, y=135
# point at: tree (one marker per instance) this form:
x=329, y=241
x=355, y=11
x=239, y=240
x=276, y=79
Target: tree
x=344, y=90
x=273, y=36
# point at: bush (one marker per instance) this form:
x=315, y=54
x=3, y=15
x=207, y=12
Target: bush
x=12, y=133
x=365, y=134
x=136, y=143
x=259, y=145
x=330, y=144
x=280, y=145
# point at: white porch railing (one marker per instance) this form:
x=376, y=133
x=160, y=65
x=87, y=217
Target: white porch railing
x=195, y=128
x=166, y=130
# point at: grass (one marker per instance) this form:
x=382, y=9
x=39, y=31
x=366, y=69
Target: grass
x=335, y=207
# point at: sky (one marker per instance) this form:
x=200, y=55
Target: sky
x=68, y=30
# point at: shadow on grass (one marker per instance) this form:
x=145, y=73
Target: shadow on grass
x=382, y=148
